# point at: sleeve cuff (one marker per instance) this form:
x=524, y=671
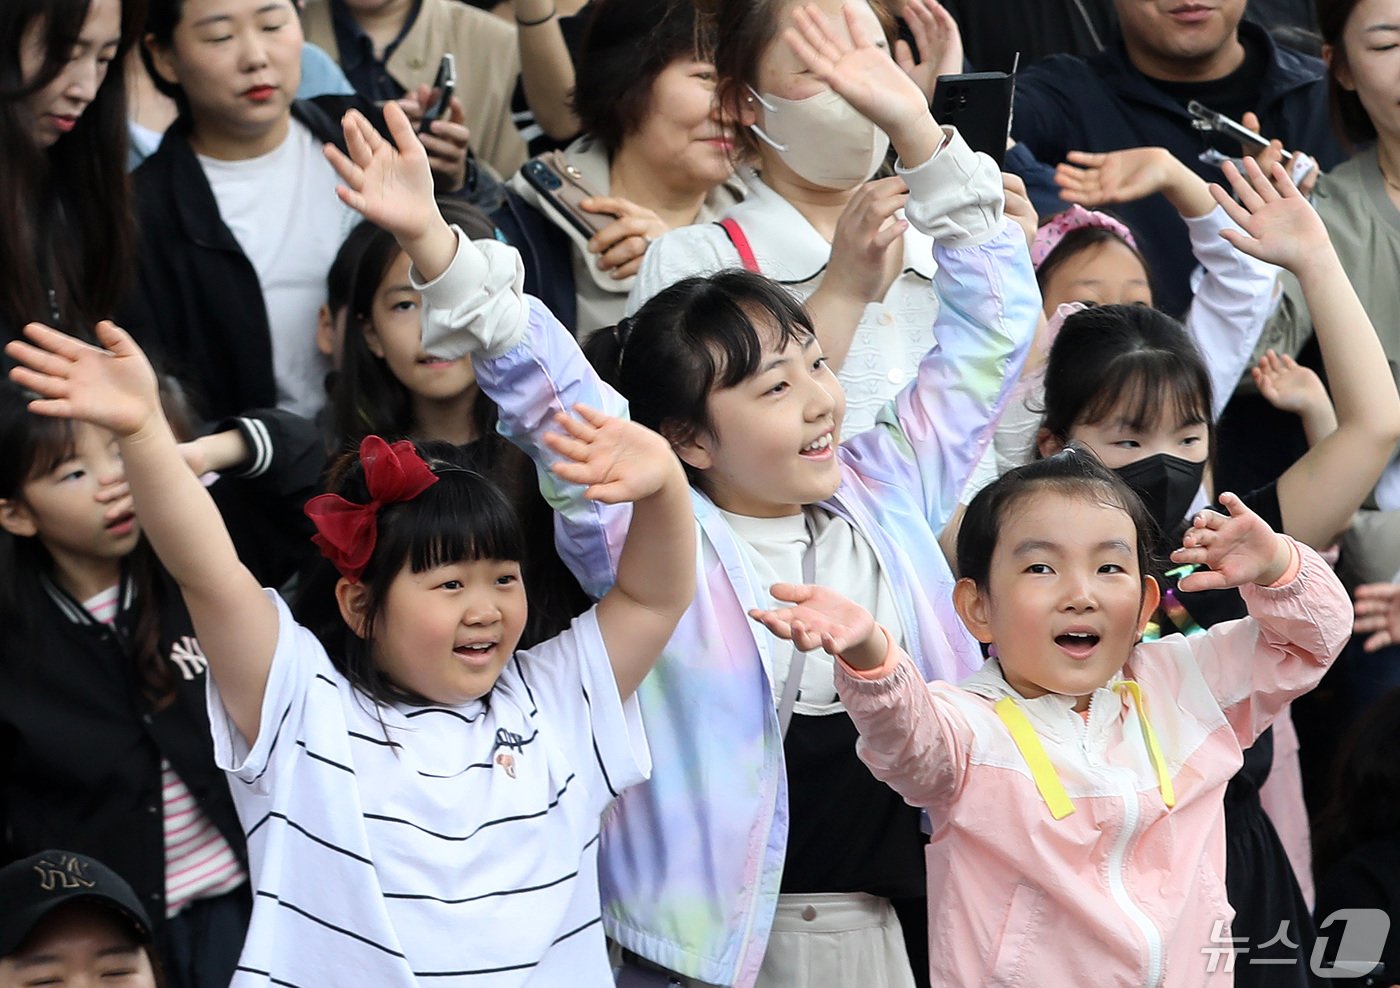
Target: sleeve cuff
x=884, y=669
x=1295, y=566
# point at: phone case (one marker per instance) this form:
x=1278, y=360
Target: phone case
x=978, y=104
x=562, y=187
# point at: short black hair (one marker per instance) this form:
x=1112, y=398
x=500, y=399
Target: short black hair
x=697, y=336
x=1130, y=357
x=1074, y=472
x=627, y=44
x=464, y=516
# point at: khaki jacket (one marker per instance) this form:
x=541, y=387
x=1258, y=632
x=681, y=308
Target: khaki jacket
x=488, y=64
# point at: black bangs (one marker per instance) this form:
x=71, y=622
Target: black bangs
x=462, y=518
x=733, y=342
x=30, y=445
x=1147, y=387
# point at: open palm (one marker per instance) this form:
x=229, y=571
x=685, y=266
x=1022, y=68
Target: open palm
x=1281, y=227
x=390, y=184
x=617, y=461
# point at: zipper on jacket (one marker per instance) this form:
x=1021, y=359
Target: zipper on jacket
x=1131, y=813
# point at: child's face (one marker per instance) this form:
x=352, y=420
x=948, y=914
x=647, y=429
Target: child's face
x=772, y=442
x=62, y=508
x=1106, y=273
x=238, y=61
x=77, y=945
x=59, y=104
x=1117, y=443
x=395, y=335
x=446, y=633
x=1065, y=600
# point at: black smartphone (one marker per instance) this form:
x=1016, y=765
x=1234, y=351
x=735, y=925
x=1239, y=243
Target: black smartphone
x=1207, y=119
x=978, y=104
x=444, y=85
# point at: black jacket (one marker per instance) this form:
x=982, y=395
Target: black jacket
x=1103, y=103
x=81, y=749
x=198, y=303
x=547, y=253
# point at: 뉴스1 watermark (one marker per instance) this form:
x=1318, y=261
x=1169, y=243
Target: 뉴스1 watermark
x=1358, y=934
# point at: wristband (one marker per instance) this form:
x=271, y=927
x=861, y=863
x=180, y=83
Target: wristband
x=536, y=23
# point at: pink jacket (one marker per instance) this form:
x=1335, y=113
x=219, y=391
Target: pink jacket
x=1121, y=889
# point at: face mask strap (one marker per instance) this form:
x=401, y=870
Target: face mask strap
x=758, y=131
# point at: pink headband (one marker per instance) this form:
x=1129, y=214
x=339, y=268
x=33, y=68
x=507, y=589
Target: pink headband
x=1048, y=237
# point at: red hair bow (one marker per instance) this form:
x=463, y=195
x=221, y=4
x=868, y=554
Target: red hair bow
x=345, y=531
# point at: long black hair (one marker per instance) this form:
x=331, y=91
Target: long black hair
x=32, y=446
x=65, y=210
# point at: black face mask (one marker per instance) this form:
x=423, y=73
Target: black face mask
x=1167, y=485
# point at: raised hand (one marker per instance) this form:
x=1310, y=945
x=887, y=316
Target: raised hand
x=114, y=388
x=1378, y=614
x=940, y=47
x=864, y=75
x=616, y=460
x=1098, y=179
x=1288, y=385
x=621, y=244
x=391, y=185
x=1280, y=226
x=822, y=618
x=1240, y=548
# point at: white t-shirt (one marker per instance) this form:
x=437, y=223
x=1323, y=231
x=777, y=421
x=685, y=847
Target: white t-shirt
x=845, y=562
x=282, y=209
x=443, y=846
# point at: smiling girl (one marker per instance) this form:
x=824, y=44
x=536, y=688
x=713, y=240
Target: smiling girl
x=1076, y=783
x=762, y=851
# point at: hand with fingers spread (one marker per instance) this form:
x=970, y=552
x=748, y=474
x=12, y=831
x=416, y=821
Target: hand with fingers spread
x=390, y=184
x=112, y=386
x=867, y=233
x=1239, y=548
x=865, y=76
x=939, y=42
x=616, y=460
x=1281, y=227
x=621, y=244
x=822, y=618
x=1377, y=614
x=1101, y=179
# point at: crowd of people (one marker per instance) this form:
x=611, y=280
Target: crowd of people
x=607, y=492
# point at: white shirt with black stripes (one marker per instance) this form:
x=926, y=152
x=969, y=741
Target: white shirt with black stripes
x=441, y=846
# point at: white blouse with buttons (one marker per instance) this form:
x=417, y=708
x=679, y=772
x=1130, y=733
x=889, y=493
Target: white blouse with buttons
x=893, y=334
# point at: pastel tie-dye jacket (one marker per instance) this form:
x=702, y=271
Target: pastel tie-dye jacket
x=691, y=861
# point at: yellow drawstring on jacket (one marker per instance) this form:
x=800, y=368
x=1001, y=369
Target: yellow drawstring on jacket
x=1047, y=780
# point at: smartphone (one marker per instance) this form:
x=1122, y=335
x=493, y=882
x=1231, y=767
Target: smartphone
x=978, y=104
x=1208, y=119
x=444, y=84
x=563, y=187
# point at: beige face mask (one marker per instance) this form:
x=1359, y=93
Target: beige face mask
x=822, y=138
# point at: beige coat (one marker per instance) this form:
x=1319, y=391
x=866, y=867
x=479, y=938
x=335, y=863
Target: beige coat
x=488, y=64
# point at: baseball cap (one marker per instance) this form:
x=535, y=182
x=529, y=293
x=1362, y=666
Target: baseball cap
x=35, y=886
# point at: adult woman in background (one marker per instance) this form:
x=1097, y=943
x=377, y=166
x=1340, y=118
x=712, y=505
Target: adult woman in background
x=64, y=201
x=655, y=147
x=812, y=220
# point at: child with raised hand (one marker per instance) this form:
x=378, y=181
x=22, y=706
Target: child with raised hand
x=761, y=842
x=421, y=800
x=1076, y=783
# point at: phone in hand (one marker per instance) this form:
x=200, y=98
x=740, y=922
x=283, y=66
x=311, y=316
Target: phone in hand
x=444, y=84
x=978, y=104
x=563, y=187
x=1207, y=119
